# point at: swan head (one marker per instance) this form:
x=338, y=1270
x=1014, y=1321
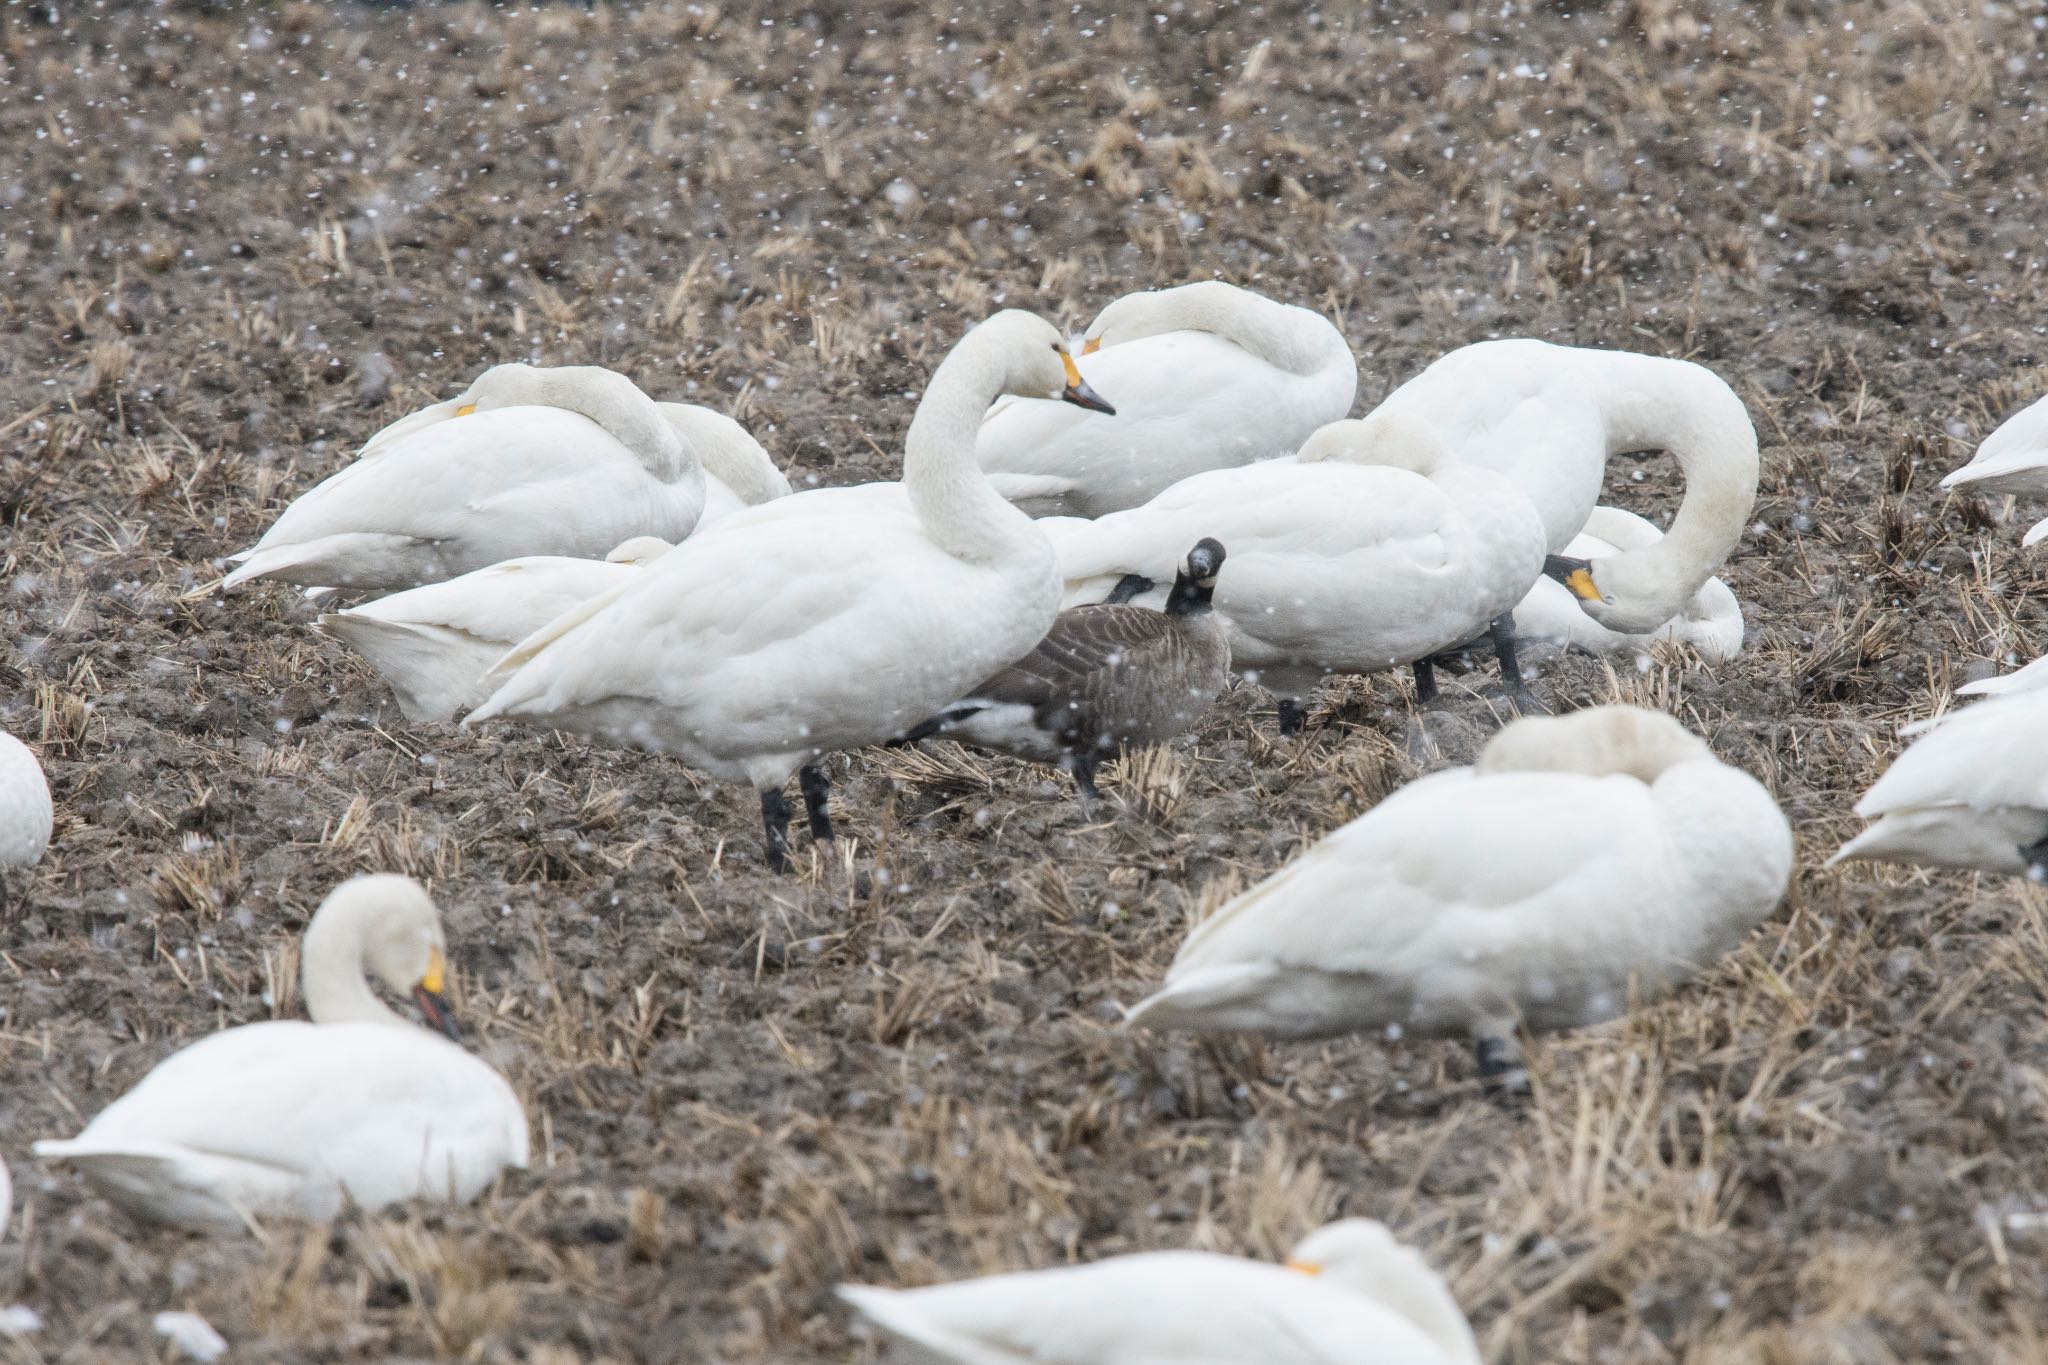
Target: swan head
x=1622, y=592
x=639, y=550
x=1036, y=362
x=397, y=934
x=1393, y=440
x=1360, y=1255
x=1598, y=741
x=511, y=385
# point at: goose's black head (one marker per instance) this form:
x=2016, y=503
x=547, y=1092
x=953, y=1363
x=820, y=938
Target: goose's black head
x=1196, y=582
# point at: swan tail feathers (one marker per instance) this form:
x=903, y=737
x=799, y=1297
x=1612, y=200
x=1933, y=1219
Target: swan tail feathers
x=1204, y=998
x=312, y=563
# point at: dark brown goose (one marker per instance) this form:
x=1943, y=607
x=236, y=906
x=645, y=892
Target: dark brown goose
x=1105, y=676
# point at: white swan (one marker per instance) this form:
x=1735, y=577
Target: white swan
x=826, y=620
x=1551, y=615
x=435, y=643
x=291, y=1119
x=1969, y=793
x=1581, y=854
x=1548, y=417
x=26, y=814
x=2013, y=459
x=1371, y=549
x=563, y=461
x=1349, y=1295
x=1205, y=376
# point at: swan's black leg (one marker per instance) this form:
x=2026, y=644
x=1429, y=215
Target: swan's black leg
x=775, y=826
x=1425, y=682
x=1293, y=715
x=1082, y=766
x=816, y=788
x=1500, y=1064
x=2034, y=856
x=1503, y=632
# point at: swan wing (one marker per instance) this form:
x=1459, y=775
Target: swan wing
x=1449, y=876
x=2012, y=459
x=1984, y=757
x=2032, y=678
x=504, y=602
x=1160, y=1308
x=479, y=489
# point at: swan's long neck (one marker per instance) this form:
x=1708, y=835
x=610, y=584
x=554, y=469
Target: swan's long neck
x=1288, y=338
x=1686, y=409
x=331, y=970
x=960, y=509
x=615, y=403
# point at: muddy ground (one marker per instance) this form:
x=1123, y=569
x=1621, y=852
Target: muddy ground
x=236, y=240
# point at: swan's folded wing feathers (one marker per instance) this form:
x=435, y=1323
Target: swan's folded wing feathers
x=1968, y=760
x=1273, y=508
x=433, y=484
x=1450, y=859
x=1162, y=1308
x=744, y=614
x=506, y=601
x=277, y=1094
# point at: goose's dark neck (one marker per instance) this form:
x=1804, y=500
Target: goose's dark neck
x=1188, y=597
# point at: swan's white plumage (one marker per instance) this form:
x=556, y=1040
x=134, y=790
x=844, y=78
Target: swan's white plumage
x=1369, y=1301
x=294, y=1119
x=2012, y=459
x=2031, y=678
x=826, y=620
x=1372, y=548
x=438, y=493
x=1711, y=622
x=1969, y=793
x=26, y=814
x=435, y=643
x=1548, y=418
x=1581, y=855
x=1204, y=376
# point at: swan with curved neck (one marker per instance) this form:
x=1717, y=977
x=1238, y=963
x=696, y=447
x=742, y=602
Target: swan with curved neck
x=830, y=619
x=298, y=1120
x=528, y=460
x=1549, y=417
x=1206, y=376
x=1582, y=858
x=1551, y=615
x=1296, y=340
x=1349, y=1294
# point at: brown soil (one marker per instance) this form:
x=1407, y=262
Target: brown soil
x=236, y=241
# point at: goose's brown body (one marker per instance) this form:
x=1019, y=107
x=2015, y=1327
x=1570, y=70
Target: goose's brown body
x=1105, y=676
